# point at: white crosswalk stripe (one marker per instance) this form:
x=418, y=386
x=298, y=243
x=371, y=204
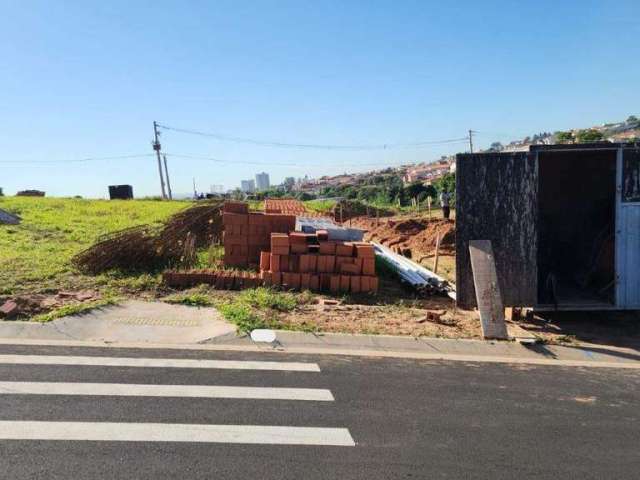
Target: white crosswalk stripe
x=188, y=391
x=166, y=432
x=172, y=432
x=156, y=363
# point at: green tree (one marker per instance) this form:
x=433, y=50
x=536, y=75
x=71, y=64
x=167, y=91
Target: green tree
x=446, y=183
x=564, y=137
x=589, y=135
x=414, y=189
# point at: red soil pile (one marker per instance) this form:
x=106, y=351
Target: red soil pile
x=413, y=236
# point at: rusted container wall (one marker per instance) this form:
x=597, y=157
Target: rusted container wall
x=496, y=199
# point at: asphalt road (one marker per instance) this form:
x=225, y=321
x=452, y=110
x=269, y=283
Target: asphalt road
x=406, y=418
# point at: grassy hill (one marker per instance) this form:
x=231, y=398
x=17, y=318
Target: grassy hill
x=34, y=256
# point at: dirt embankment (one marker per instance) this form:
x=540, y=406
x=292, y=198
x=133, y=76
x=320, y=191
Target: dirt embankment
x=413, y=237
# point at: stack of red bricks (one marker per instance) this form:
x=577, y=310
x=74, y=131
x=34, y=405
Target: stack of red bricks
x=247, y=234
x=220, y=279
x=289, y=206
x=310, y=261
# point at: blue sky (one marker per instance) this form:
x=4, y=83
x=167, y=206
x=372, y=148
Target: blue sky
x=87, y=79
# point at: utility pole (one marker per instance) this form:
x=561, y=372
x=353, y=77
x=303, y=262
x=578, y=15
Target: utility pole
x=166, y=174
x=156, y=147
x=471, y=140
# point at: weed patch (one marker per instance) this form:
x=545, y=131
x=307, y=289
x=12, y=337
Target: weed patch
x=73, y=309
x=191, y=299
x=259, y=308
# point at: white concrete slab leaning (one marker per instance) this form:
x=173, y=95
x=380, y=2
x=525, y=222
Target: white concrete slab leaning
x=485, y=280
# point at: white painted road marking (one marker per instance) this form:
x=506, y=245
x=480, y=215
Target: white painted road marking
x=173, y=432
x=156, y=363
x=188, y=391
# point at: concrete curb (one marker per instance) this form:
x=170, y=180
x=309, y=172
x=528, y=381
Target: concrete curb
x=328, y=350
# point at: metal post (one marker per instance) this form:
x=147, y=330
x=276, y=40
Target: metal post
x=156, y=147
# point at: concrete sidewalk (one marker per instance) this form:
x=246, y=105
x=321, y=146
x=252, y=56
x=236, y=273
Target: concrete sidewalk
x=131, y=321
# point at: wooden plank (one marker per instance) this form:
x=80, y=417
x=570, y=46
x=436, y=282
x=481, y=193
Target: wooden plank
x=487, y=289
x=435, y=260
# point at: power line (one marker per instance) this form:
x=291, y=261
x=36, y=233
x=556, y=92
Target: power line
x=263, y=143
x=277, y=164
x=76, y=160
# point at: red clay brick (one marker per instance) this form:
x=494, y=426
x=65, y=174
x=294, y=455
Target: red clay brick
x=299, y=248
x=305, y=281
x=350, y=269
x=365, y=250
x=327, y=248
x=235, y=207
x=369, y=266
x=298, y=237
x=279, y=239
x=345, y=283
x=276, y=278
x=365, y=284
x=304, y=263
x=275, y=263
x=313, y=263
x=265, y=261
x=344, y=249
x=314, y=283
x=9, y=309
x=321, y=264
x=294, y=263
x=325, y=281
x=295, y=281
x=280, y=250
x=356, y=284
x=334, y=283
x=330, y=263
x=373, y=284
x=284, y=263
x=342, y=260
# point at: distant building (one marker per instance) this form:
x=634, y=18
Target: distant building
x=289, y=183
x=248, y=186
x=262, y=181
x=30, y=193
x=428, y=172
x=120, y=192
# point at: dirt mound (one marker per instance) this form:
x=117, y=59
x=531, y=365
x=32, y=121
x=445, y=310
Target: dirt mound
x=414, y=237
x=147, y=247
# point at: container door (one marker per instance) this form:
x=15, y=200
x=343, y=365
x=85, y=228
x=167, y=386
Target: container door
x=628, y=229
x=497, y=200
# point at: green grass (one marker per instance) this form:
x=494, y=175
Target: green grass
x=34, y=256
x=73, y=309
x=259, y=307
x=195, y=299
x=321, y=206
x=266, y=298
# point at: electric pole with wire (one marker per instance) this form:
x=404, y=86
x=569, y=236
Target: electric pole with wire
x=156, y=147
x=471, y=132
